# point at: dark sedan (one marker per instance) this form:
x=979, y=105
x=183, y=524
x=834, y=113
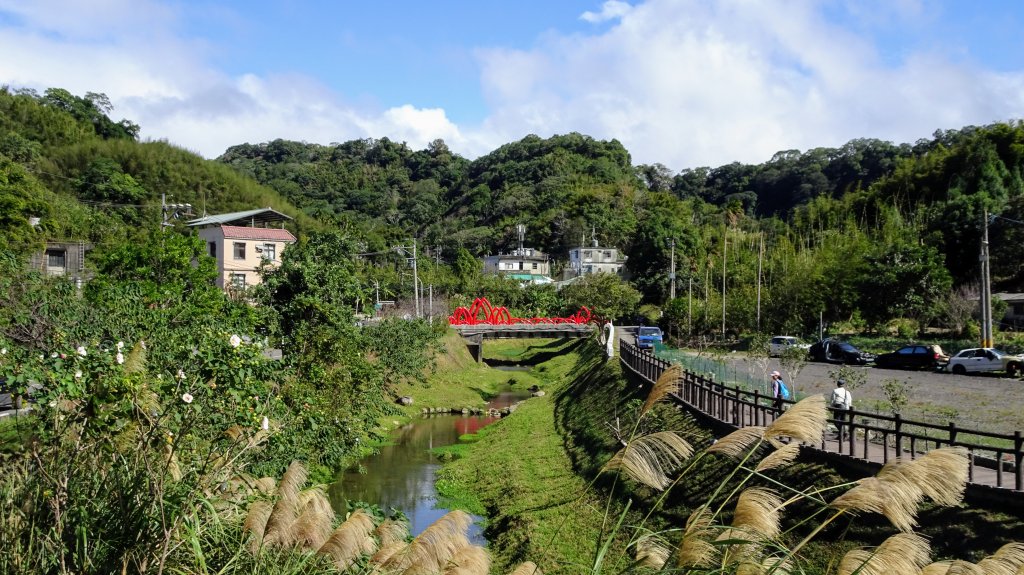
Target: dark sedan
x=915, y=356
x=832, y=351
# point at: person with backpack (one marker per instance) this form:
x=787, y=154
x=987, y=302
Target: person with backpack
x=779, y=392
x=840, y=402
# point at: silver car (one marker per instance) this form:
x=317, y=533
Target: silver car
x=780, y=343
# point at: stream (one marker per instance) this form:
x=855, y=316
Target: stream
x=401, y=476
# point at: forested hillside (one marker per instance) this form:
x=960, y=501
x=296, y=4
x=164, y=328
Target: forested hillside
x=865, y=233
x=64, y=161
x=871, y=230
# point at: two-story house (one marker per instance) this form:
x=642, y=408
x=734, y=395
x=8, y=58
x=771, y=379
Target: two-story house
x=242, y=241
x=585, y=260
x=524, y=264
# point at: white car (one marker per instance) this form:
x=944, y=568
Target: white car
x=780, y=343
x=980, y=359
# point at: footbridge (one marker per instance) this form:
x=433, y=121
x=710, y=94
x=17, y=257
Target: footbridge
x=482, y=320
x=869, y=440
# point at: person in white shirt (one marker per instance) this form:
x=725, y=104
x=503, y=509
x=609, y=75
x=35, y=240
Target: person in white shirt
x=841, y=402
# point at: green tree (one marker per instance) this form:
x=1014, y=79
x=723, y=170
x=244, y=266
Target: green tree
x=607, y=296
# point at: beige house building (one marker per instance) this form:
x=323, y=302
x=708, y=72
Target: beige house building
x=524, y=264
x=65, y=259
x=241, y=242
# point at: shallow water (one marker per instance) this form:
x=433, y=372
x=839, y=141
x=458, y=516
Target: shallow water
x=401, y=476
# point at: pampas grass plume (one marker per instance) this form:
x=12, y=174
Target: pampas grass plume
x=757, y=510
x=1008, y=560
x=739, y=442
x=256, y=522
x=941, y=474
x=781, y=457
x=649, y=459
x=901, y=553
x=805, y=421
x=897, y=501
x=470, y=560
x=651, y=552
x=695, y=549
x=665, y=385
x=292, y=480
x=391, y=531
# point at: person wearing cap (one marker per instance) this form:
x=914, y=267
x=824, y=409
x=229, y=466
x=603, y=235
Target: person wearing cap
x=777, y=395
x=841, y=402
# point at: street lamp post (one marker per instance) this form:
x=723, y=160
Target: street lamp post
x=986, y=287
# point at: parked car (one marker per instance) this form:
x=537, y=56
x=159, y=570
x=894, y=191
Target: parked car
x=834, y=351
x=979, y=359
x=646, y=337
x=780, y=343
x=913, y=356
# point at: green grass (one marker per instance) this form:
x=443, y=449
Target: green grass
x=459, y=382
x=519, y=476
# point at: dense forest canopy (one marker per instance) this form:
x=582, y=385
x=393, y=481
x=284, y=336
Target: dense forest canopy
x=869, y=232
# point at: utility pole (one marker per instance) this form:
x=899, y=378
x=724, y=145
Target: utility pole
x=760, y=256
x=672, y=271
x=171, y=211
x=986, y=287
x=725, y=251
x=407, y=251
x=415, y=279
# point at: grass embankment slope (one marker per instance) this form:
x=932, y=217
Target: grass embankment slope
x=517, y=474
x=458, y=381
x=530, y=473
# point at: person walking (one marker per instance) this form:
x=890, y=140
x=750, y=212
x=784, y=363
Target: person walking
x=841, y=402
x=779, y=392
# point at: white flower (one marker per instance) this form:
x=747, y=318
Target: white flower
x=265, y=425
x=186, y=397
x=119, y=357
x=78, y=374
x=120, y=345
x=235, y=341
x=81, y=350
x=181, y=374
x=3, y=351
x=41, y=356
x=54, y=355
x=142, y=342
x=159, y=376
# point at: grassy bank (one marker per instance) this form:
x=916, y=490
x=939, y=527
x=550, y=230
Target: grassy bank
x=517, y=473
x=458, y=381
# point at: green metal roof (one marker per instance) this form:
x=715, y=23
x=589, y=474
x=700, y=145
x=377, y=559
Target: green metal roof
x=261, y=216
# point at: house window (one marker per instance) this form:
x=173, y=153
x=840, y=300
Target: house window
x=56, y=259
x=238, y=281
x=607, y=255
x=270, y=252
x=534, y=265
x=239, y=250
x=213, y=249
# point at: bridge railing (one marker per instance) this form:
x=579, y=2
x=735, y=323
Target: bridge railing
x=995, y=458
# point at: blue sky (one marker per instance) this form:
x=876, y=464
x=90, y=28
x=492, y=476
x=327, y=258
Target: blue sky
x=684, y=83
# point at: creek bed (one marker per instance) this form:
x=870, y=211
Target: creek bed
x=401, y=476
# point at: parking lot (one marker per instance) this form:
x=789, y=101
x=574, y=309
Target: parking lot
x=989, y=402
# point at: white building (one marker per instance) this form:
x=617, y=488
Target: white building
x=594, y=259
x=241, y=242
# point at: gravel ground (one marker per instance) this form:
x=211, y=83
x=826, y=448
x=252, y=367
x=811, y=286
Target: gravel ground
x=985, y=402
x=982, y=402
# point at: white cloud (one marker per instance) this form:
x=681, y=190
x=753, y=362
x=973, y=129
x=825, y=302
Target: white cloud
x=680, y=82
x=689, y=83
x=610, y=10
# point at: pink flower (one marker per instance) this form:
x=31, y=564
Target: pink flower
x=186, y=397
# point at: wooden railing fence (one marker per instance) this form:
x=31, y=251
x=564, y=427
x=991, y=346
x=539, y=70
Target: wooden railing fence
x=995, y=458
